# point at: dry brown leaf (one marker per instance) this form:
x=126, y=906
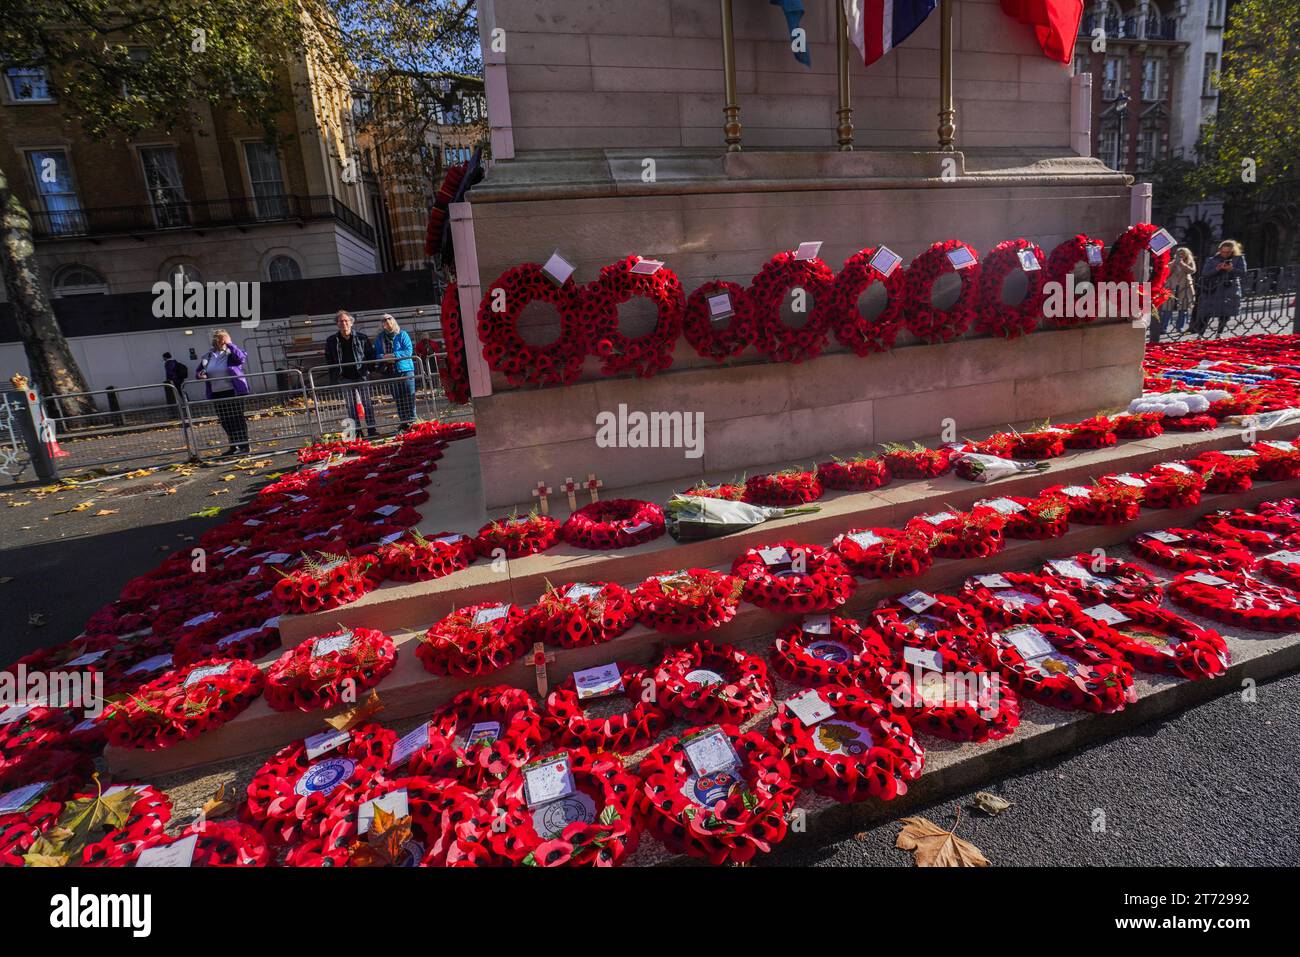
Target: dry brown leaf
x=36, y=619
x=932, y=846
x=385, y=842
x=105, y=511
x=991, y=804
x=349, y=719
x=217, y=805
x=170, y=491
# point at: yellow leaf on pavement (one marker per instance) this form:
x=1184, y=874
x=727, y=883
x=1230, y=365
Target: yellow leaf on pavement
x=932, y=846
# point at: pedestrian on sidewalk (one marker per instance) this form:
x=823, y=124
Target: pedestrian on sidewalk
x=222, y=369
x=392, y=342
x=174, y=373
x=1221, y=286
x=346, y=353
x=1178, y=309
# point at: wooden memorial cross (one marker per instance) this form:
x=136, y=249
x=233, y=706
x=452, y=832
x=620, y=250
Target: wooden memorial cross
x=593, y=484
x=540, y=494
x=540, y=657
x=571, y=487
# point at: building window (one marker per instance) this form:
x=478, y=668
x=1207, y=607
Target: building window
x=1110, y=147
x=455, y=155
x=267, y=181
x=1152, y=79
x=28, y=84
x=78, y=280
x=1215, y=15
x=1148, y=147
x=1209, y=83
x=52, y=174
x=1111, y=78
x=187, y=271
x=162, y=181
x=282, y=268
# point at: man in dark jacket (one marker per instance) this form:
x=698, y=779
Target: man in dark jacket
x=346, y=353
x=174, y=373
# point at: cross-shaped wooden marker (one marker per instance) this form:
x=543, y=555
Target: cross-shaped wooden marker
x=594, y=483
x=571, y=487
x=540, y=657
x=540, y=494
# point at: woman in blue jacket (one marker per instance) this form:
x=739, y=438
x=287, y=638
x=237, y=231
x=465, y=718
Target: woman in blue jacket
x=1221, y=285
x=222, y=370
x=393, y=342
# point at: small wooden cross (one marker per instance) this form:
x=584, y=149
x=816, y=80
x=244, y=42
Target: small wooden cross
x=540, y=494
x=594, y=483
x=540, y=657
x=571, y=487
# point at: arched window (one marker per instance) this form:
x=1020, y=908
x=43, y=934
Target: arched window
x=75, y=279
x=282, y=267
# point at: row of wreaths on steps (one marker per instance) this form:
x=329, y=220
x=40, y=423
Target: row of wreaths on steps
x=589, y=320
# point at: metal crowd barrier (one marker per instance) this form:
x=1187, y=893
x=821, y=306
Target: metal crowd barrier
x=275, y=414
x=124, y=431
x=371, y=398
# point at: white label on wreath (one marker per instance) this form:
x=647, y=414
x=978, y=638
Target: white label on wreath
x=276, y=558
x=415, y=476
x=198, y=674
x=89, y=658
x=178, y=853
x=1003, y=506
x=917, y=601
x=775, y=555
x=156, y=663
x=923, y=657
x=331, y=644
x=598, y=682
x=703, y=676
x=1160, y=241
x=960, y=258
x=720, y=306
x=414, y=740
x=1285, y=557
x=646, y=267
x=1205, y=578
x=483, y=731
x=1107, y=614
x=1070, y=569
x=557, y=269
x=1094, y=254
x=816, y=625
x=548, y=780
x=452, y=539
x=1028, y=261
x=1167, y=537
x=884, y=261
x=1077, y=491
x=235, y=636
x=638, y=527
x=1131, y=480
x=1241, y=453
x=391, y=537
x=939, y=518
x=1279, y=444
x=1029, y=641
x=485, y=616
x=993, y=581
x=807, y=251
x=13, y=713
x=386, y=510
x=1177, y=467
x=580, y=590
x=325, y=742
x=19, y=799
x=710, y=751
x=324, y=776
x=396, y=803
x=200, y=619
x=809, y=707
x=865, y=539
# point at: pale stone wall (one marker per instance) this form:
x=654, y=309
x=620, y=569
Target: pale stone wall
x=648, y=73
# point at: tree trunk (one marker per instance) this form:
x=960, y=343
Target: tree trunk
x=53, y=366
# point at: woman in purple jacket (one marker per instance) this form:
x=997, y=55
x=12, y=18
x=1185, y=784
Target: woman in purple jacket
x=223, y=371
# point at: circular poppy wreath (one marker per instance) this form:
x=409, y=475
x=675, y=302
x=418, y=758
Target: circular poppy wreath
x=291, y=796
x=1061, y=263
x=884, y=552
x=1109, y=580
x=1189, y=423
x=861, y=473
x=1096, y=432
x=1172, y=489
x=783, y=489
x=995, y=317
x=38, y=727
x=951, y=622
x=570, y=620
x=219, y=844
x=705, y=683
x=1043, y=517
x=457, y=646
x=321, y=584
x=478, y=764
x=1160, y=641
x=256, y=636
x=1138, y=425
x=420, y=558
x=518, y=536
x=318, y=672
x=618, y=353
x=864, y=750
x=613, y=523
x=1107, y=503
x=149, y=814
x=1241, y=600
x=455, y=383
x=941, y=325
x=852, y=329
x=714, y=340
x=172, y=709
x=1277, y=465
x=1224, y=474
x=598, y=825
x=1226, y=525
x=973, y=534
x=695, y=599
x=505, y=350
x=817, y=580
x=916, y=462
x=631, y=730
x=1030, y=600
x=767, y=290
x=723, y=817
x=837, y=656
x=1274, y=517
x=1121, y=262
x=1194, y=550
x=964, y=700
x=437, y=809
x=1044, y=443
x=1079, y=675
x=1288, y=573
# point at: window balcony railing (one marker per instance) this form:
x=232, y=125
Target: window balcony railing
x=1130, y=28
x=242, y=212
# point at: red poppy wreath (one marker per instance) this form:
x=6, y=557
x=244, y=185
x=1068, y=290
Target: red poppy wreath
x=973, y=534
x=809, y=279
x=884, y=552
x=625, y=731
x=1223, y=474
x=1059, y=667
x=291, y=795
x=995, y=316
x=518, y=536
x=323, y=582
x=1043, y=443
x=1139, y=425
x=793, y=578
x=725, y=816
x=1019, y=598
x=950, y=620
x=861, y=473
x=1107, y=503
x=614, y=523
x=1226, y=525
x=218, y=844
x=1097, y=432
x=917, y=461
x=1092, y=579
x=785, y=488
x=1187, y=549
x=1172, y=489
x=1035, y=519
x=506, y=351
x=455, y=375
x=924, y=320
x=852, y=329
x=1061, y=264
x=182, y=704
x=31, y=727
x=1160, y=641
x=619, y=353
x=416, y=558
x=695, y=599
x=1277, y=464
x=597, y=825
x=480, y=736
x=719, y=336
x=703, y=683
x=581, y=613
x=1238, y=598
x=864, y=749
x=251, y=636
x=323, y=671
x=1121, y=263
x=475, y=640
x=1282, y=566
x=827, y=650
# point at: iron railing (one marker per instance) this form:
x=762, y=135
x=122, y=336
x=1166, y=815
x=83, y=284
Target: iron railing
x=1268, y=305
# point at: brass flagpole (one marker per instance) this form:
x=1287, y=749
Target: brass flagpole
x=947, y=110
x=845, y=112
x=731, y=109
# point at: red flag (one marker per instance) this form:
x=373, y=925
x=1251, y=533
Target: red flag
x=1055, y=23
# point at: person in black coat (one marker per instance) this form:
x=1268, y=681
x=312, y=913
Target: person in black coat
x=1220, y=294
x=346, y=354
